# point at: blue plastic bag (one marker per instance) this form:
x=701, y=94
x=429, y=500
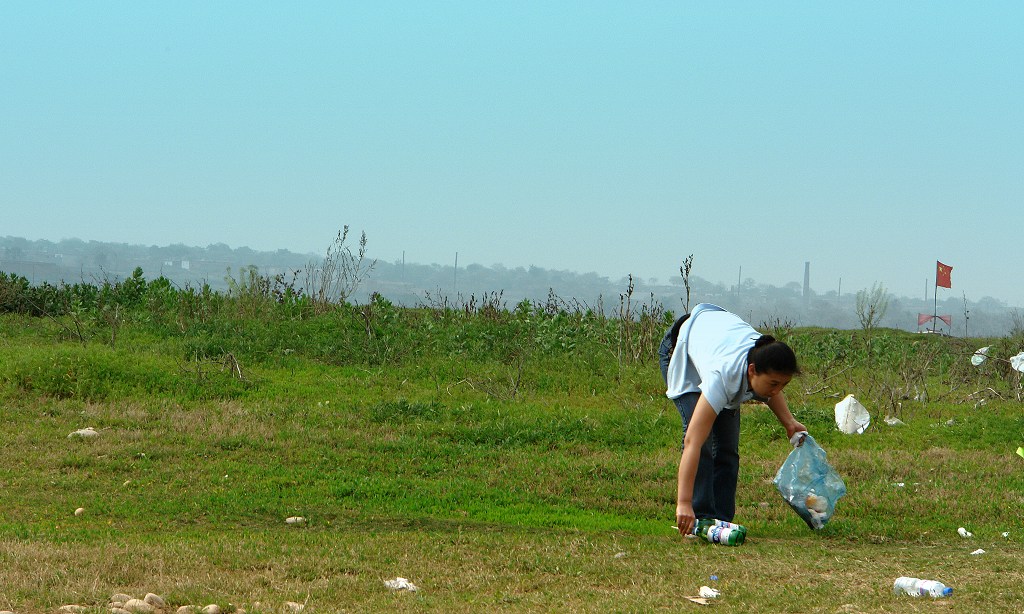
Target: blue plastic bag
x=809, y=484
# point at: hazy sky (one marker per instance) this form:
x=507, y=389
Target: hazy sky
x=869, y=138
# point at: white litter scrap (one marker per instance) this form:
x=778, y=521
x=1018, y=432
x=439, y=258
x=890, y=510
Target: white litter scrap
x=852, y=418
x=964, y=532
x=894, y=421
x=86, y=433
x=1017, y=362
x=978, y=551
x=709, y=593
x=980, y=355
x=401, y=584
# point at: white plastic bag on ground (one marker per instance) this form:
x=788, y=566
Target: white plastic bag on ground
x=401, y=584
x=1017, y=362
x=852, y=418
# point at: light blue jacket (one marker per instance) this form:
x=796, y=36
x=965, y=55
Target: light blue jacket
x=711, y=357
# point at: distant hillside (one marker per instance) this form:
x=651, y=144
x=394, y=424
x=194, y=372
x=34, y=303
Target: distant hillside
x=73, y=260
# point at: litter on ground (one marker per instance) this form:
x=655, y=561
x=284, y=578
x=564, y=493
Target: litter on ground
x=401, y=584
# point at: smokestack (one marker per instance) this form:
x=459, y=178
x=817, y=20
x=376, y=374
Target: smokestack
x=807, y=283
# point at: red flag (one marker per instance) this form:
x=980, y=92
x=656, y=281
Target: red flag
x=923, y=318
x=948, y=319
x=942, y=272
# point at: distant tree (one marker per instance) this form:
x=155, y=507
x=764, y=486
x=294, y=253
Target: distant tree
x=871, y=306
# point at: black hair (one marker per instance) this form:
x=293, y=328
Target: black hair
x=768, y=354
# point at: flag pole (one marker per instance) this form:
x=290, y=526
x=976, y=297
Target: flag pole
x=935, y=297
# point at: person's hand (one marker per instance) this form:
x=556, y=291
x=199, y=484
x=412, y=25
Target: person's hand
x=794, y=428
x=685, y=520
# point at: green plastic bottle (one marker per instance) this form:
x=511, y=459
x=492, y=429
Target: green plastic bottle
x=720, y=532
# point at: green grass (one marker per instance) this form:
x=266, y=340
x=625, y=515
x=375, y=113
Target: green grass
x=541, y=478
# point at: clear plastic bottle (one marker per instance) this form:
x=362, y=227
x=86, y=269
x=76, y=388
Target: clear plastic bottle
x=720, y=532
x=916, y=587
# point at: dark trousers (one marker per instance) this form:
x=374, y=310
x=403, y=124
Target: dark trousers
x=714, y=486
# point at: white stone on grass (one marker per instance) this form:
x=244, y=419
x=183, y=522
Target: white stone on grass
x=138, y=606
x=86, y=433
x=72, y=609
x=295, y=520
x=213, y=608
x=79, y=511
x=155, y=600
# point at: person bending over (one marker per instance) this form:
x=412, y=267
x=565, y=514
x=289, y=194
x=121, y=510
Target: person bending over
x=712, y=362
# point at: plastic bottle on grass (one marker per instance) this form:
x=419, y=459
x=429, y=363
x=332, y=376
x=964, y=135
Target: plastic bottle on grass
x=916, y=587
x=720, y=532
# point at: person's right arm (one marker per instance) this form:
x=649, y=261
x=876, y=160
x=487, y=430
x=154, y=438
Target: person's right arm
x=696, y=434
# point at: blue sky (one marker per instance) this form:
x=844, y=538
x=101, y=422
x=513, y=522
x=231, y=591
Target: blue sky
x=870, y=139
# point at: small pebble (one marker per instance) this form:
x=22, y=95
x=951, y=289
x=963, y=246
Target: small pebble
x=213, y=608
x=295, y=520
x=79, y=511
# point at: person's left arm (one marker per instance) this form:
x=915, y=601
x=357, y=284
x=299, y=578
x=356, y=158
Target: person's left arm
x=777, y=403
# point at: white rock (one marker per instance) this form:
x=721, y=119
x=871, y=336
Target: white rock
x=295, y=520
x=86, y=433
x=72, y=609
x=187, y=609
x=79, y=511
x=213, y=608
x=155, y=600
x=138, y=606
x=121, y=597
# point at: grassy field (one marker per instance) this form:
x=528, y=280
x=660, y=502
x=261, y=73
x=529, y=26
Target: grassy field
x=501, y=459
